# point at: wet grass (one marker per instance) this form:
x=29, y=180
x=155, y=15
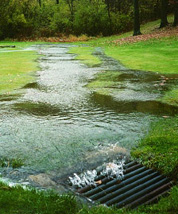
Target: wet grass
x=159, y=150
x=171, y=97
x=17, y=200
x=8, y=162
x=16, y=69
x=104, y=82
x=85, y=54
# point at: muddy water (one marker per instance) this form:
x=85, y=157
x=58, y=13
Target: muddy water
x=59, y=125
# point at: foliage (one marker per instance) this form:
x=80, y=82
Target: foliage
x=26, y=18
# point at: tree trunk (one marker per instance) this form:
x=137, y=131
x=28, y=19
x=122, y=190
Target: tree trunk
x=136, y=19
x=164, y=6
x=109, y=14
x=175, y=13
x=57, y=1
x=39, y=1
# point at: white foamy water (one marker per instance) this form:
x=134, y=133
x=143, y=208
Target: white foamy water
x=111, y=170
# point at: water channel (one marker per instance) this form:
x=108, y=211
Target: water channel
x=60, y=126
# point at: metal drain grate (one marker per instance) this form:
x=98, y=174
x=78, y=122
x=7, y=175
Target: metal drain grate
x=139, y=186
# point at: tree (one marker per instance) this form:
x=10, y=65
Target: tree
x=136, y=19
x=175, y=13
x=39, y=1
x=57, y=1
x=107, y=2
x=164, y=6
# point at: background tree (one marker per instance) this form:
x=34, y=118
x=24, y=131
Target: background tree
x=175, y=13
x=136, y=19
x=164, y=7
x=39, y=1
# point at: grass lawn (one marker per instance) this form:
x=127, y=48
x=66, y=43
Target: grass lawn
x=152, y=55
x=17, y=68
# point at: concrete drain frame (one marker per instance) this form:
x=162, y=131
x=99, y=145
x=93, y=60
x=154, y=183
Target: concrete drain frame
x=139, y=186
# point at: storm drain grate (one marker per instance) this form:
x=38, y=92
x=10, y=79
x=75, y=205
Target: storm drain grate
x=140, y=185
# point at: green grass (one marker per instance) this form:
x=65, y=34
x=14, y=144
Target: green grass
x=156, y=55
x=16, y=69
x=171, y=97
x=104, y=82
x=85, y=54
x=159, y=149
x=152, y=55
x=17, y=200
x=14, y=163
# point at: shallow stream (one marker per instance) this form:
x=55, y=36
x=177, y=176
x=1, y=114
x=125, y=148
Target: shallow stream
x=59, y=126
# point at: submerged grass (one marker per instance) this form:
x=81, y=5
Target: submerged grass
x=171, y=97
x=85, y=54
x=104, y=82
x=14, y=163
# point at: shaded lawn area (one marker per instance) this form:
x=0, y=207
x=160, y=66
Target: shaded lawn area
x=16, y=69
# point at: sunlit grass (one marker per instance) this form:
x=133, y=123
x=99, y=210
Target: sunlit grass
x=153, y=55
x=16, y=69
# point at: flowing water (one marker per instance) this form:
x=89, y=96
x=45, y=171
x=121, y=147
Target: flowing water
x=59, y=125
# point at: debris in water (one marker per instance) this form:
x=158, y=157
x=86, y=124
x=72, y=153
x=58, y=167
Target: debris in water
x=110, y=170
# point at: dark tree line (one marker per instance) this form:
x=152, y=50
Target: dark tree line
x=164, y=12
x=36, y=18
